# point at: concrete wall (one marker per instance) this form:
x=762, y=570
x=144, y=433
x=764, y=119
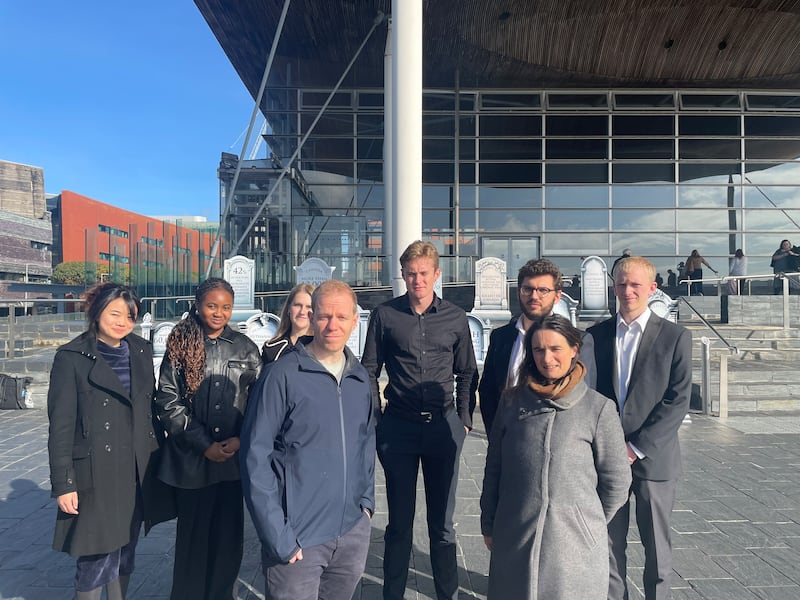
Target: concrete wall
x=762, y=310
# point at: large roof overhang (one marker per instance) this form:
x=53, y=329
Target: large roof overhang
x=726, y=44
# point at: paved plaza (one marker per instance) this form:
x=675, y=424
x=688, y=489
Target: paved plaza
x=736, y=523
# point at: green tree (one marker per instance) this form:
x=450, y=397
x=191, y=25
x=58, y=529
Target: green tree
x=74, y=272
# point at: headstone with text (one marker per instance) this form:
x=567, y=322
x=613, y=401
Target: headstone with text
x=491, y=290
x=240, y=273
x=594, y=288
x=261, y=327
x=159, y=340
x=359, y=334
x=314, y=271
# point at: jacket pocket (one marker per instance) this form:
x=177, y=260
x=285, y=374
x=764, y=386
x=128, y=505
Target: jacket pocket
x=584, y=527
x=82, y=466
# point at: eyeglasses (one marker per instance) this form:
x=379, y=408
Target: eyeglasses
x=526, y=290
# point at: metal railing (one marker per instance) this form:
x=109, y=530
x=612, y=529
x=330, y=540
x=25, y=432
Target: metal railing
x=730, y=349
x=787, y=278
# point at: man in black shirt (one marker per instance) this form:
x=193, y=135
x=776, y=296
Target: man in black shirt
x=424, y=342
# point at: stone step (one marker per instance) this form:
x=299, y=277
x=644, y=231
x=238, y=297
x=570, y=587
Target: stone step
x=758, y=385
x=747, y=404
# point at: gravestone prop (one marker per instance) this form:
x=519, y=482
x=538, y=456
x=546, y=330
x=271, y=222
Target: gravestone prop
x=160, y=334
x=241, y=274
x=479, y=330
x=567, y=308
x=663, y=306
x=594, y=289
x=261, y=328
x=147, y=325
x=314, y=271
x=359, y=334
x=491, y=290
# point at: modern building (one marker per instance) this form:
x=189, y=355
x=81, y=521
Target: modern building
x=26, y=233
x=555, y=128
x=159, y=258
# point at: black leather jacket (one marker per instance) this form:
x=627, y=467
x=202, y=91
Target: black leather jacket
x=213, y=414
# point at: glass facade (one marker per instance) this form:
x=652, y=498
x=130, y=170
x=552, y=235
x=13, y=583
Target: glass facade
x=526, y=173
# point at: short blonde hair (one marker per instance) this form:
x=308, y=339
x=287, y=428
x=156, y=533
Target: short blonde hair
x=636, y=262
x=333, y=286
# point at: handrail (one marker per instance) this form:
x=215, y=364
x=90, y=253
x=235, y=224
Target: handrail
x=726, y=278
x=689, y=283
x=733, y=349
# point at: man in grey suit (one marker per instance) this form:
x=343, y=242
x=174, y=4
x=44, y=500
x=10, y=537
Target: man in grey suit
x=538, y=291
x=645, y=363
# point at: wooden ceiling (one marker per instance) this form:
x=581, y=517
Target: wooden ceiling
x=748, y=44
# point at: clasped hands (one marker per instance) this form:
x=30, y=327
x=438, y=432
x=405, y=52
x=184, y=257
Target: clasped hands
x=222, y=451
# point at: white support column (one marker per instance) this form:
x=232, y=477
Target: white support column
x=406, y=131
x=388, y=164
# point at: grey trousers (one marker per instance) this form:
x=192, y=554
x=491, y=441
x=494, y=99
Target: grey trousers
x=328, y=571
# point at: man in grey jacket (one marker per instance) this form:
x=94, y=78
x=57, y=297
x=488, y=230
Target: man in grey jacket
x=308, y=459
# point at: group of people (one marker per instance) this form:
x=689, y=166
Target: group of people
x=786, y=259
x=579, y=422
x=576, y=422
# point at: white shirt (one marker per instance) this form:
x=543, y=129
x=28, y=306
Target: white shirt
x=516, y=356
x=629, y=336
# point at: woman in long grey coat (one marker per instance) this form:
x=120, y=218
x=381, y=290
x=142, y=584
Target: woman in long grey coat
x=556, y=472
x=102, y=442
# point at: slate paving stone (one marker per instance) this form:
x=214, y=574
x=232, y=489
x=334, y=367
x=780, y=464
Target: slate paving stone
x=712, y=510
x=712, y=544
x=749, y=536
x=686, y=521
x=752, y=571
x=787, y=561
x=776, y=593
x=691, y=564
x=736, y=525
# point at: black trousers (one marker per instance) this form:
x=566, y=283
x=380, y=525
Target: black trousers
x=402, y=445
x=208, y=542
x=654, y=502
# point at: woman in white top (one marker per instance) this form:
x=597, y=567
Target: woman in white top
x=738, y=266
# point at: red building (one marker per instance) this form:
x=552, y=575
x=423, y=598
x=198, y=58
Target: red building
x=157, y=257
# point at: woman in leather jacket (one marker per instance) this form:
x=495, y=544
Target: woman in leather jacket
x=295, y=323
x=202, y=393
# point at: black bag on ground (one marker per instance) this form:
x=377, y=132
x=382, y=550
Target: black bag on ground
x=13, y=391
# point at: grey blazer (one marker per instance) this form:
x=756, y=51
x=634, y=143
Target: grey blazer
x=658, y=393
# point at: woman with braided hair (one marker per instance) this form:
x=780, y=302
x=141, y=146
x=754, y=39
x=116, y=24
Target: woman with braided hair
x=202, y=393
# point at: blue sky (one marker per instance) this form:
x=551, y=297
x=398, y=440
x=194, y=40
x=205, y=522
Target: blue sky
x=129, y=103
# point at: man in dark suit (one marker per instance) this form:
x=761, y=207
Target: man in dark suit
x=644, y=363
x=538, y=291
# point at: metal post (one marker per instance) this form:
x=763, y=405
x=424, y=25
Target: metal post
x=723, y=385
x=785, y=302
x=12, y=317
x=706, y=375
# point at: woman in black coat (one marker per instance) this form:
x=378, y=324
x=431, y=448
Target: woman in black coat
x=101, y=442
